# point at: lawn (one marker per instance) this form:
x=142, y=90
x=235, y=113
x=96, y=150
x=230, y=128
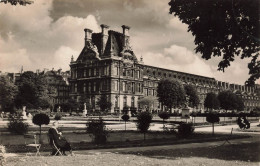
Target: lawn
x=229, y=155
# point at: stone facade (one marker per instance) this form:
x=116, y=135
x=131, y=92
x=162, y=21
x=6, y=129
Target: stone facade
x=107, y=65
x=58, y=81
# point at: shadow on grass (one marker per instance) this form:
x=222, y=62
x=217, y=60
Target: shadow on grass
x=240, y=152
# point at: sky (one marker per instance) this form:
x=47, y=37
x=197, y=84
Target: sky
x=47, y=33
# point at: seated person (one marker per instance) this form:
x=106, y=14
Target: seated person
x=59, y=140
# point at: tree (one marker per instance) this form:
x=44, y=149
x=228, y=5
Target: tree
x=240, y=103
x=164, y=115
x=97, y=128
x=15, y=2
x=212, y=118
x=41, y=119
x=72, y=104
x=211, y=101
x=227, y=100
x=33, y=91
x=170, y=93
x=125, y=118
x=8, y=91
x=223, y=28
x=143, y=122
x=103, y=103
x=193, y=95
x=147, y=101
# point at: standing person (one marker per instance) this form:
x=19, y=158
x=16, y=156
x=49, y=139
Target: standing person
x=59, y=140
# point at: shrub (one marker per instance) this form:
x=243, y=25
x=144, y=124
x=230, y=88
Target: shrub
x=2, y=155
x=40, y=119
x=17, y=126
x=164, y=115
x=125, y=118
x=143, y=122
x=97, y=129
x=185, y=130
x=212, y=118
x=57, y=116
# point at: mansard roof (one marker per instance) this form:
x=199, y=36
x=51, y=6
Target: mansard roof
x=116, y=44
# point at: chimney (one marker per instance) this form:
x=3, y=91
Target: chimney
x=126, y=35
x=88, y=35
x=125, y=30
x=104, y=37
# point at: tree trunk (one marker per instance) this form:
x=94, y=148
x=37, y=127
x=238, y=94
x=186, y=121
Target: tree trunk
x=125, y=126
x=40, y=139
x=163, y=124
x=212, y=128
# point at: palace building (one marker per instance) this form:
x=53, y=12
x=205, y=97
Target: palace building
x=107, y=65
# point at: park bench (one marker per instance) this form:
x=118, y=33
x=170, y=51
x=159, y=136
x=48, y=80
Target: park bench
x=32, y=142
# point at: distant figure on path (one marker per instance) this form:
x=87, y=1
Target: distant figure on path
x=59, y=140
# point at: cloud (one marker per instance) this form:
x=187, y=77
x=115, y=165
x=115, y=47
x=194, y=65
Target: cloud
x=176, y=24
x=180, y=59
x=30, y=34
x=62, y=57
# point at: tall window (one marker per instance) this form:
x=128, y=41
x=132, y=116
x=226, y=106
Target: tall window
x=133, y=102
x=94, y=86
x=117, y=70
x=89, y=86
x=94, y=73
x=89, y=72
x=108, y=70
x=124, y=86
x=124, y=71
x=76, y=87
x=138, y=74
x=116, y=101
x=133, y=87
x=125, y=101
x=84, y=87
x=139, y=87
x=132, y=73
x=85, y=73
x=116, y=85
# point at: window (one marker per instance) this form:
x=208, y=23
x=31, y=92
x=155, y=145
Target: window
x=84, y=87
x=89, y=87
x=94, y=86
x=76, y=88
x=133, y=102
x=153, y=92
x=94, y=72
x=138, y=74
x=108, y=70
x=84, y=75
x=139, y=87
x=97, y=72
x=146, y=92
x=133, y=87
x=89, y=72
x=116, y=85
x=117, y=70
x=124, y=71
x=125, y=101
x=132, y=73
x=116, y=101
x=124, y=86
